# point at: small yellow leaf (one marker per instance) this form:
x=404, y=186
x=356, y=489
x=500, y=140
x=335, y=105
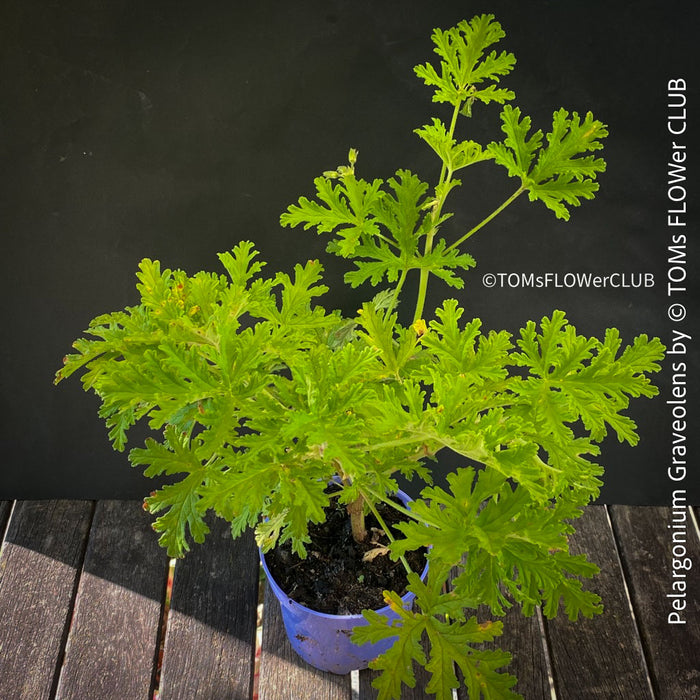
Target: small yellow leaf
x=420, y=327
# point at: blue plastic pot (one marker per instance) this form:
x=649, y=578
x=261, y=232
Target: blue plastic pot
x=323, y=640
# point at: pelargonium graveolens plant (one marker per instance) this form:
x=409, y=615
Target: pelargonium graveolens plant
x=262, y=395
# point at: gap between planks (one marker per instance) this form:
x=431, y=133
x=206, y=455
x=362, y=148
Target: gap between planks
x=628, y=597
x=73, y=599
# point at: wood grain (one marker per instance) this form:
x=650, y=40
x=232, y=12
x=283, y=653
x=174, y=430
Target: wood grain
x=210, y=639
x=81, y=590
x=646, y=545
x=600, y=657
x=39, y=567
x=112, y=645
x=5, y=508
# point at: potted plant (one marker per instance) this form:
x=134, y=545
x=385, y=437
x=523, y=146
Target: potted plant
x=275, y=411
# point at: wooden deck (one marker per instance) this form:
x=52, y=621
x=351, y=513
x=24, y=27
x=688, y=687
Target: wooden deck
x=83, y=615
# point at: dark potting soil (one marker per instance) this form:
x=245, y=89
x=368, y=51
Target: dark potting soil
x=333, y=578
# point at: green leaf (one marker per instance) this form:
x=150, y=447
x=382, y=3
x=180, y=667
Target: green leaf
x=570, y=137
x=383, y=263
x=344, y=208
x=564, y=171
x=154, y=285
x=450, y=516
x=304, y=501
x=482, y=678
x=180, y=500
x=118, y=425
x=237, y=488
x=298, y=293
x=581, y=378
x=171, y=457
x=396, y=664
x=181, y=503
x=517, y=151
x=577, y=601
x=378, y=332
x=448, y=643
x=464, y=65
x=400, y=211
x=380, y=228
x=240, y=263
x=454, y=155
x=442, y=261
x=465, y=351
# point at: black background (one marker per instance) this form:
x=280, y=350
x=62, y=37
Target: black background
x=172, y=130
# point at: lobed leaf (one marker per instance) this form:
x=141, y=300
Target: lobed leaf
x=344, y=209
x=455, y=155
x=400, y=211
x=580, y=378
x=564, y=172
x=463, y=65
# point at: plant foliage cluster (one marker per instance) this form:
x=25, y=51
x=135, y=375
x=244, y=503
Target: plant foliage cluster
x=262, y=395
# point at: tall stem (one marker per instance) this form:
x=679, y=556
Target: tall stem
x=445, y=177
x=397, y=292
x=422, y=292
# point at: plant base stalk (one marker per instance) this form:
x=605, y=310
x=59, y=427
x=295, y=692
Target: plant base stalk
x=356, y=511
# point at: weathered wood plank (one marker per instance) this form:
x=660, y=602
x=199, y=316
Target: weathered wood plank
x=283, y=674
x=523, y=638
x=600, y=657
x=646, y=539
x=39, y=568
x=210, y=638
x=112, y=645
x=5, y=508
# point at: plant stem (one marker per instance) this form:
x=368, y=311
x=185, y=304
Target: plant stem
x=424, y=273
x=402, y=509
x=422, y=437
x=388, y=241
x=445, y=176
x=485, y=221
x=422, y=290
x=356, y=511
x=387, y=532
x=397, y=291
x=451, y=132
